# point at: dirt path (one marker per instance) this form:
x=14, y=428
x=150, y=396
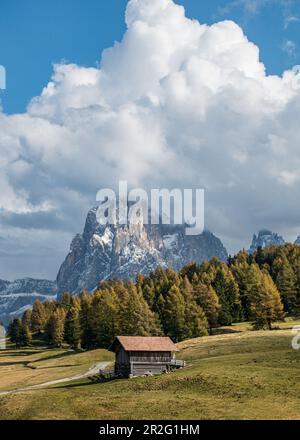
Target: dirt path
x=94, y=369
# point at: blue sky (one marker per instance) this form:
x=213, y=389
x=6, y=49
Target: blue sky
x=34, y=34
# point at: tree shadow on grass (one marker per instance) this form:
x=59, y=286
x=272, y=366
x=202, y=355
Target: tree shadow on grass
x=32, y=362
x=79, y=383
x=54, y=366
x=7, y=364
x=19, y=353
x=225, y=331
x=71, y=385
x=55, y=356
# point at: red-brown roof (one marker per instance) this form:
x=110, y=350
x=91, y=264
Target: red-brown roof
x=145, y=343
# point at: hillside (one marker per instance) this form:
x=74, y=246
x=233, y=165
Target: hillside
x=21, y=368
x=239, y=374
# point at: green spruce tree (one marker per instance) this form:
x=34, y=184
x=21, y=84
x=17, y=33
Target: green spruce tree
x=174, y=314
x=286, y=282
x=229, y=297
x=207, y=298
x=72, y=334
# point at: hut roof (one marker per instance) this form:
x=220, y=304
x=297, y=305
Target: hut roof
x=144, y=343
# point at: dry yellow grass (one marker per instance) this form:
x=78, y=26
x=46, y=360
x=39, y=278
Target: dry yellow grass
x=238, y=375
x=20, y=368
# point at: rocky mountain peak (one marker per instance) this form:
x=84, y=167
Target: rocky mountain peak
x=297, y=241
x=265, y=238
x=121, y=251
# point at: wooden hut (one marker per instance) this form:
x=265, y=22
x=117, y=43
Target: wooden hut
x=140, y=355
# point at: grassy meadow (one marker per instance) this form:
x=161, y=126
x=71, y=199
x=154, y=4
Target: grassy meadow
x=235, y=374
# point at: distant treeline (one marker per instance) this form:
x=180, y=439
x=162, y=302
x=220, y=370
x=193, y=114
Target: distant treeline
x=261, y=288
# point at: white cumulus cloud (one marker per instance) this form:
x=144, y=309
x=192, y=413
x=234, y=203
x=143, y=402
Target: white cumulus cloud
x=175, y=103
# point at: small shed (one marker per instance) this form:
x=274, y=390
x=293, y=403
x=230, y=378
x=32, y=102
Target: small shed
x=141, y=355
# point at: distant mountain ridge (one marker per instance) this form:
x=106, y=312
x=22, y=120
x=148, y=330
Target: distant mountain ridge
x=265, y=238
x=297, y=241
x=17, y=296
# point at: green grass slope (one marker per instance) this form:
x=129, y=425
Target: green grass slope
x=25, y=367
x=238, y=375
